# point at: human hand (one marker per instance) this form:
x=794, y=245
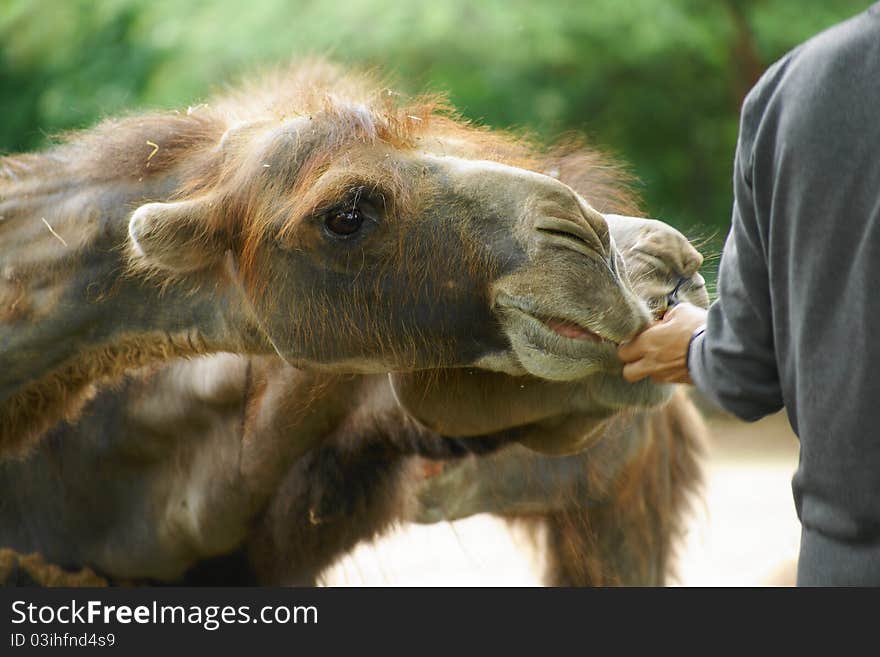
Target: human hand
x=660, y=351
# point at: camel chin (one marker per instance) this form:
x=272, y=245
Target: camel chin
x=614, y=392
x=598, y=375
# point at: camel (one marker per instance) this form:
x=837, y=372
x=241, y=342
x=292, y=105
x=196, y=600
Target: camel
x=232, y=469
x=316, y=216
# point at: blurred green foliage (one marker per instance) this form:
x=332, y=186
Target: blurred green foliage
x=658, y=82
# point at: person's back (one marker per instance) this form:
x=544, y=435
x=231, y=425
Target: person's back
x=796, y=313
x=810, y=158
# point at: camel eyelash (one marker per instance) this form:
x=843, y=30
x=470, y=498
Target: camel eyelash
x=360, y=195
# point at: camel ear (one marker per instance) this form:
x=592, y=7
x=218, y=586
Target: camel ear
x=174, y=237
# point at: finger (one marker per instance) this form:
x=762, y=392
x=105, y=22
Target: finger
x=680, y=308
x=685, y=313
x=632, y=350
x=673, y=373
x=635, y=371
x=643, y=343
x=664, y=377
x=672, y=313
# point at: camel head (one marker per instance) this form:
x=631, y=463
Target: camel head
x=562, y=417
x=369, y=234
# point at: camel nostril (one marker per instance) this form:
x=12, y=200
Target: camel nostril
x=565, y=232
x=672, y=299
x=597, y=222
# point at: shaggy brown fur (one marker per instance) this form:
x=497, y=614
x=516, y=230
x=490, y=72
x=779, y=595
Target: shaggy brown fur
x=210, y=145
x=352, y=488
x=252, y=166
x=62, y=394
x=628, y=537
x=619, y=526
x=32, y=570
x=243, y=174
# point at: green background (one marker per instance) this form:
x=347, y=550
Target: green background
x=658, y=82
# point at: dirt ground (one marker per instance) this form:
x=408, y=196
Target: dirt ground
x=742, y=531
x=745, y=532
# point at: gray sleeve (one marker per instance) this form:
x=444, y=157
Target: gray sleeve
x=734, y=362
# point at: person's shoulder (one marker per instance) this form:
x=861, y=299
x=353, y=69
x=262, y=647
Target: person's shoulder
x=843, y=41
x=754, y=107
x=766, y=86
x=839, y=41
x=816, y=63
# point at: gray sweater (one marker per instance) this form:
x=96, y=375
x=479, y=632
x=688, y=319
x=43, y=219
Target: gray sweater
x=797, y=320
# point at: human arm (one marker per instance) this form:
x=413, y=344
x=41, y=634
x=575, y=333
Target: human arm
x=734, y=361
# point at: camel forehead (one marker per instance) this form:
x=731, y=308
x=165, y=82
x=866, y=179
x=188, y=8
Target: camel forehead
x=471, y=167
x=488, y=177
x=414, y=175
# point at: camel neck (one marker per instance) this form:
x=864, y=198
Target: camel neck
x=70, y=314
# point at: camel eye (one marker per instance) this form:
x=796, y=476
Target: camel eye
x=344, y=222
